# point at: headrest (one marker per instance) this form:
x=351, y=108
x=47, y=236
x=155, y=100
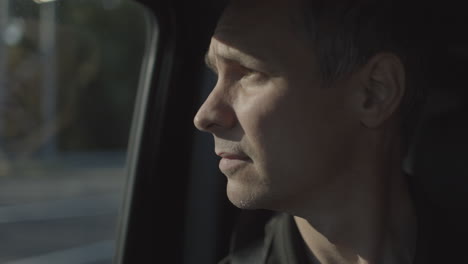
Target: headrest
x=440, y=159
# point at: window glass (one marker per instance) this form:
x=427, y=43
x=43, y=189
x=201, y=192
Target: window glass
x=69, y=75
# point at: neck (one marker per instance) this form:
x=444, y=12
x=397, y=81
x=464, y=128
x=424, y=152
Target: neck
x=370, y=221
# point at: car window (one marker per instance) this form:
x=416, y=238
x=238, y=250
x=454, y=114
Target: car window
x=70, y=73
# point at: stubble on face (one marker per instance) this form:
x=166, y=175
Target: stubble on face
x=287, y=124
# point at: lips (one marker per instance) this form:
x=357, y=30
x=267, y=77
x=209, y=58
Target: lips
x=232, y=156
x=231, y=162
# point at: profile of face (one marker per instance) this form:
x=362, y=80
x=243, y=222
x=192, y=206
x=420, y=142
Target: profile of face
x=283, y=137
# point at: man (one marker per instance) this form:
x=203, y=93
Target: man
x=310, y=116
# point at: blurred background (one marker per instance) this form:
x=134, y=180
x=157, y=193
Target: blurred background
x=69, y=75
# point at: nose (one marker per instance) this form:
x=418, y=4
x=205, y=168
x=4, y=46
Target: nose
x=216, y=113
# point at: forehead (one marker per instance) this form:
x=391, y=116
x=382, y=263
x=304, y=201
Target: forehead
x=261, y=28
x=251, y=15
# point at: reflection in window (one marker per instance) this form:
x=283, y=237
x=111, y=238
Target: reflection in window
x=69, y=73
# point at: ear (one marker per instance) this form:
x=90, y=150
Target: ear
x=383, y=79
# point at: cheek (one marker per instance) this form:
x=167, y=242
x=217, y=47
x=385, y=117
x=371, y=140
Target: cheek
x=265, y=118
x=257, y=111
x=293, y=134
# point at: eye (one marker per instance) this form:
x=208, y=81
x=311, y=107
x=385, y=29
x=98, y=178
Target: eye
x=248, y=71
x=252, y=75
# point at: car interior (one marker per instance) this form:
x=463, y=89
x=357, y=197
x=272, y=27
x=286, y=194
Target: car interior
x=174, y=208
x=195, y=221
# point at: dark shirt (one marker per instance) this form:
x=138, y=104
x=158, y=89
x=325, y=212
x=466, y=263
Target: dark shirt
x=280, y=242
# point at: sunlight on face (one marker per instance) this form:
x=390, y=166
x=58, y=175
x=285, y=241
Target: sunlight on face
x=280, y=134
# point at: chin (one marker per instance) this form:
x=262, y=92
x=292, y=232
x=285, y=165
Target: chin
x=247, y=196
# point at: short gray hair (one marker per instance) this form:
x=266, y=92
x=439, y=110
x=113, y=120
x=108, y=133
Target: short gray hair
x=347, y=33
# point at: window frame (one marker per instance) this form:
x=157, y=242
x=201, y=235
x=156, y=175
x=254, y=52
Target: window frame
x=153, y=216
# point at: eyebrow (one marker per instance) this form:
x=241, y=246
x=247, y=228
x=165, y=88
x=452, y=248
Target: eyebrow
x=209, y=63
x=233, y=55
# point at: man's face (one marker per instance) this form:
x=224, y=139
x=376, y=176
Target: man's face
x=282, y=136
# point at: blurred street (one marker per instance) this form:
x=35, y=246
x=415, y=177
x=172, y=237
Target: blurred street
x=61, y=212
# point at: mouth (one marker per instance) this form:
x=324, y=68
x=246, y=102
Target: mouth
x=233, y=156
x=232, y=161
